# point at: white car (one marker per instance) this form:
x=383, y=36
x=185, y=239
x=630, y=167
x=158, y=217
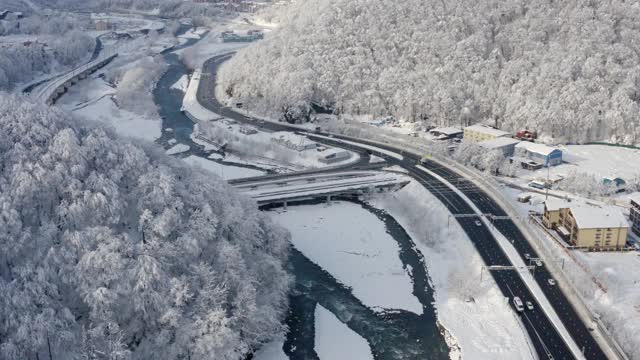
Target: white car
x=518, y=303
x=529, y=305
x=538, y=263
x=527, y=256
x=551, y=282
x=478, y=223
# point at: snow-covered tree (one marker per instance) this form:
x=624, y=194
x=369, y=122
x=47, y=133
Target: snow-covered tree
x=568, y=69
x=111, y=250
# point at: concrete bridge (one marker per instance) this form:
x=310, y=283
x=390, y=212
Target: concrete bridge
x=50, y=91
x=324, y=185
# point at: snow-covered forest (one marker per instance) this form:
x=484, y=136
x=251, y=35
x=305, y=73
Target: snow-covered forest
x=111, y=250
x=51, y=43
x=569, y=69
x=172, y=8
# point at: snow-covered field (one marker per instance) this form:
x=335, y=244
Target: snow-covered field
x=598, y=160
x=92, y=99
x=334, y=340
x=262, y=148
x=352, y=244
x=225, y=172
x=474, y=312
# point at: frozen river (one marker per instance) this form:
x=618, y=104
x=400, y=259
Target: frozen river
x=362, y=290
x=357, y=263
x=177, y=127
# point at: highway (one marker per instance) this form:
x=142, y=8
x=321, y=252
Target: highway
x=545, y=338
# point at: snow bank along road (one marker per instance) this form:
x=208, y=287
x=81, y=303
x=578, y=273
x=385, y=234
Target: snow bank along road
x=548, y=342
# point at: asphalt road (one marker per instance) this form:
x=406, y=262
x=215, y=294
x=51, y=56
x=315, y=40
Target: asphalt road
x=94, y=55
x=546, y=340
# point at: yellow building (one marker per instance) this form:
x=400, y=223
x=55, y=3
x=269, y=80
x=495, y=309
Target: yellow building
x=478, y=133
x=585, y=226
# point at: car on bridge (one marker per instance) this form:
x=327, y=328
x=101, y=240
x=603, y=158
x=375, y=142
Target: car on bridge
x=478, y=223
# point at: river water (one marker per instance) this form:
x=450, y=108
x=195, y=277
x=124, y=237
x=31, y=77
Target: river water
x=395, y=334
x=175, y=124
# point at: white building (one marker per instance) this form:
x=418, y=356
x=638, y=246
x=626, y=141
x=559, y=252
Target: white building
x=506, y=145
x=293, y=141
x=540, y=153
x=443, y=133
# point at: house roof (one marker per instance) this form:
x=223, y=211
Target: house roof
x=487, y=130
x=591, y=217
x=498, y=143
x=446, y=130
x=635, y=197
x=555, y=204
x=537, y=148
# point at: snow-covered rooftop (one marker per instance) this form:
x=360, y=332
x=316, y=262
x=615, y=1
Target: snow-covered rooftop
x=446, y=130
x=555, y=204
x=536, y=148
x=293, y=138
x=498, y=143
x=635, y=197
x=487, y=130
x=591, y=217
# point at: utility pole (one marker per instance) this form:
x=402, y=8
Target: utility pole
x=546, y=196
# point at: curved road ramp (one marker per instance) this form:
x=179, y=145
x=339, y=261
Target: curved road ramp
x=50, y=91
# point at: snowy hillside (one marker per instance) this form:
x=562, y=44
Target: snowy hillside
x=115, y=250
x=569, y=69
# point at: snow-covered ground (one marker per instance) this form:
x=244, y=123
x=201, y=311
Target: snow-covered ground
x=194, y=33
x=210, y=46
x=181, y=84
x=474, y=312
x=225, y=172
x=272, y=351
x=262, y=147
x=609, y=283
x=352, y=245
x=177, y=149
x=334, y=340
x=598, y=160
x=92, y=99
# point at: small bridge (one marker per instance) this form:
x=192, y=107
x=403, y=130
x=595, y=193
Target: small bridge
x=50, y=91
x=324, y=185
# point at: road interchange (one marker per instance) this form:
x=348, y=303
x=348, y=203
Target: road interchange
x=547, y=341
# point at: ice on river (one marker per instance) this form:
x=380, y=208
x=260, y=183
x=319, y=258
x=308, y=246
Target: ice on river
x=353, y=245
x=334, y=339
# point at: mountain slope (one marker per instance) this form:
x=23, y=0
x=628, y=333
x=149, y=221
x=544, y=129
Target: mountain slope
x=114, y=250
x=567, y=68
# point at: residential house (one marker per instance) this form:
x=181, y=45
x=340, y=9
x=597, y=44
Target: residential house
x=540, y=153
x=586, y=226
x=506, y=145
x=444, y=133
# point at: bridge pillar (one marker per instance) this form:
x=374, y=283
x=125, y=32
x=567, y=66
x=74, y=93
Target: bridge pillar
x=284, y=204
x=328, y=199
